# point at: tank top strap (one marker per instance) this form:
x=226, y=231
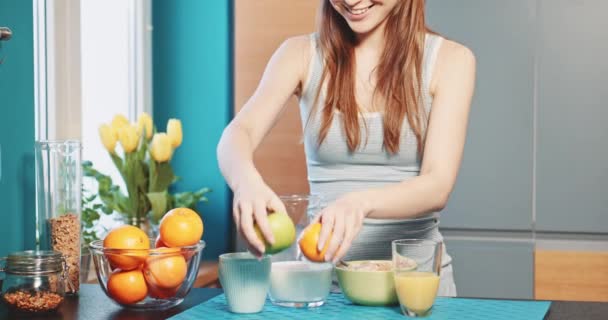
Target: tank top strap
x=431, y=49
x=315, y=71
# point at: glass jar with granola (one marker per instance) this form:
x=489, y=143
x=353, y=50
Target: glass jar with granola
x=59, y=202
x=33, y=281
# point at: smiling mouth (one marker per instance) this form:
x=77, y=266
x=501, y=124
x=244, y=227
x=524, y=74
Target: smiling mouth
x=358, y=11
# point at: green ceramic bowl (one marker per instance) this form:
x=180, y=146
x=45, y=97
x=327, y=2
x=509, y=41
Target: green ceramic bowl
x=369, y=288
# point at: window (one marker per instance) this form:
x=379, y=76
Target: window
x=93, y=61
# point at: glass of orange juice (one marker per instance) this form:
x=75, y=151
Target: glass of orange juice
x=416, y=266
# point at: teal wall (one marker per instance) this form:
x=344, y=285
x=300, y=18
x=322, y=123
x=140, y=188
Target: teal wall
x=17, y=202
x=192, y=82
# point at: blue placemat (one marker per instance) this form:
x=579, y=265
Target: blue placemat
x=337, y=307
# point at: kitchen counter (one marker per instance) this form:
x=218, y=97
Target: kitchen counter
x=92, y=304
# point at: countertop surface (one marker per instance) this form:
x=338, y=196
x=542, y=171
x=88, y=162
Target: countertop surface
x=92, y=304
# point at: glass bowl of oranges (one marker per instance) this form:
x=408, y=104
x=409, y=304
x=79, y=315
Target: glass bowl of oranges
x=150, y=274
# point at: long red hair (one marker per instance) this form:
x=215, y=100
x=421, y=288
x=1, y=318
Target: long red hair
x=399, y=74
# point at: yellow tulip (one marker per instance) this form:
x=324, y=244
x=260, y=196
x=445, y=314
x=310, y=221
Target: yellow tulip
x=108, y=136
x=144, y=122
x=174, y=131
x=119, y=121
x=161, y=150
x=129, y=138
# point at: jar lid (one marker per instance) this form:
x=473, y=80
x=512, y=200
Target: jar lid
x=34, y=262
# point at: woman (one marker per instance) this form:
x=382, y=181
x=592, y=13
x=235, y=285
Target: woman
x=384, y=104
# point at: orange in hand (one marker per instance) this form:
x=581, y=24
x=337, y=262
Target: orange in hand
x=181, y=227
x=127, y=237
x=167, y=270
x=127, y=287
x=309, y=242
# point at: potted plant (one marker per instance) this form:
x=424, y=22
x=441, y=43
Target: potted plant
x=144, y=163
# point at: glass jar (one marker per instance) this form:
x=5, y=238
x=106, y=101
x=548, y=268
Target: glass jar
x=33, y=281
x=59, y=202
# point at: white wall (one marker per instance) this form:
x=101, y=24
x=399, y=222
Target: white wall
x=105, y=71
x=115, y=70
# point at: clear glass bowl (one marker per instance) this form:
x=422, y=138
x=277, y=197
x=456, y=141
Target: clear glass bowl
x=171, y=297
x=300, y=284
x=294, y=281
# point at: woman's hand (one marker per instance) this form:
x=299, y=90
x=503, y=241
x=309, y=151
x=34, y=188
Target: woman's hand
x=344, y=219
x=252, y=202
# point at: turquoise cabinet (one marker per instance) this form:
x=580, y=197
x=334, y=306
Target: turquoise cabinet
x=17, y=202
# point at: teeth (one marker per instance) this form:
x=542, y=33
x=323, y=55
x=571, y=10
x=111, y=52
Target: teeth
x=359, y=11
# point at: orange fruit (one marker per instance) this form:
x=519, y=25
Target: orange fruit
x=160, y=252
x=160, y=293
x=127, y=287
x=159, y=243
x=127, y=237
x=186, y=253
x=309, y=242
x=167, y=270
x=181, y=227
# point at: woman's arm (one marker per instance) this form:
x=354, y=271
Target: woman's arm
x=283, y=76
x=445, y=141
x=452, y=88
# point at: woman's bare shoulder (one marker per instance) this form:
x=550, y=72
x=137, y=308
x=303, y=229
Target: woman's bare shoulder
x=298, y=42
x=295, y=52
x=453, y=58
x=452, y=52
x=297, y=48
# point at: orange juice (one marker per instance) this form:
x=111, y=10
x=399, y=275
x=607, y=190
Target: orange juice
x=417, y=290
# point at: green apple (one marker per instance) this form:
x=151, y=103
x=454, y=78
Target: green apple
x=282, y=228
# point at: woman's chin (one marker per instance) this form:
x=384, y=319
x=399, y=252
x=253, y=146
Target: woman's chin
x=361, y=27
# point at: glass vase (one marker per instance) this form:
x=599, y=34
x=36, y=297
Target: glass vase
x=58, y=203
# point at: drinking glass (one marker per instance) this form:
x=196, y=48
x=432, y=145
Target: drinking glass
x=245, y=280
x=417, y=266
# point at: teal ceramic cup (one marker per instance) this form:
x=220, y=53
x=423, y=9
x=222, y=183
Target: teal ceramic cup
x=245, y=280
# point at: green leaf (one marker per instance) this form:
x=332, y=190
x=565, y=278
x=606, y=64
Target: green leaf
x=109, y=194
x=89, y=216
x=90, y=199
x=119, y=163
x=161, y=176
x=143, y=146
x=190, y=199
x=202, y=191
x=158, y=201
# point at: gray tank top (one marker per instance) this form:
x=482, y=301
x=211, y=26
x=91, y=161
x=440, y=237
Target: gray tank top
x=333, y=170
